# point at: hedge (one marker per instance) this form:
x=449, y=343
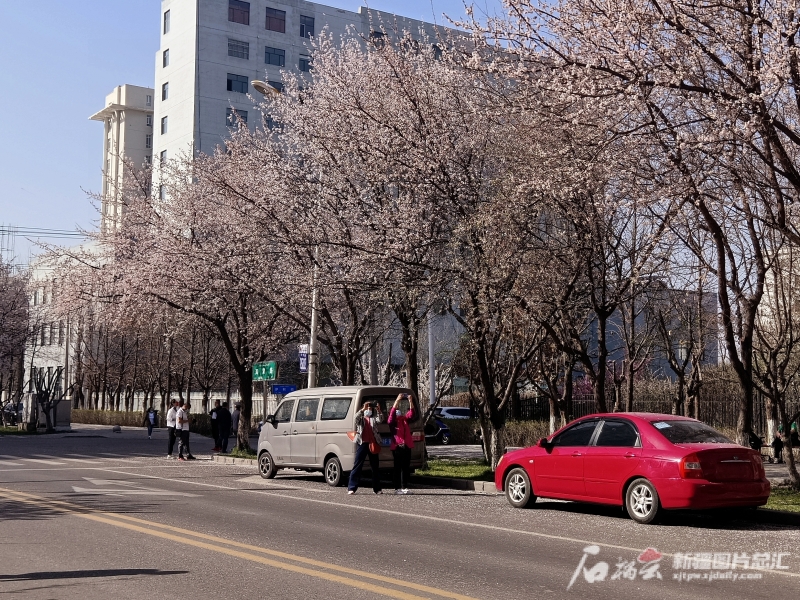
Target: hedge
x=515, y=433
x=200, y=424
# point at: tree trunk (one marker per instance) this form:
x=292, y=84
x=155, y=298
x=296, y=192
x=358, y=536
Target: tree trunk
x=602, y=364
x=246, y=414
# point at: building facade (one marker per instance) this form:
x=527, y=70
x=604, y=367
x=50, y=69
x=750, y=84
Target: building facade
x=211, y=51
x=128, y=136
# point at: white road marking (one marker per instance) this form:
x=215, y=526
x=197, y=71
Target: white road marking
x=125, y=488
x=257, y=479
x=393, y=512
x=78, y=460
x=36, y=460
x=5, y=462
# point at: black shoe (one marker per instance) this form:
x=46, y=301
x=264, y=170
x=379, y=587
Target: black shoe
x=190, y=457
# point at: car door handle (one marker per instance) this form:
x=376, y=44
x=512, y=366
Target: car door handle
x=295, y=432
x=577, y=454
x=285, y=433
x=631, y=455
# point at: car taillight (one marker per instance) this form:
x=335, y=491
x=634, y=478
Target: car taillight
x=690, y=467
x=417, y=436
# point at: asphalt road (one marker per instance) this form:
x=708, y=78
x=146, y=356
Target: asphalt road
x=94, y=514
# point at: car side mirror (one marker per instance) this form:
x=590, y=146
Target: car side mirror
x=271, y=420
x=543, y=443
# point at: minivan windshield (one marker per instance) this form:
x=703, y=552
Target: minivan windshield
x=689, y=432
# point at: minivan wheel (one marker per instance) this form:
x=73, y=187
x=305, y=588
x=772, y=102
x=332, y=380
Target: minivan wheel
x=445, y=438
x=518, y=488
x=641, y=501
x=266, y=466
x=333, y=472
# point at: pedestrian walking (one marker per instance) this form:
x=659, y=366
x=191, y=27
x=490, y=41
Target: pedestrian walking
x=225, y=421
x=183, y=427
x=402, y=443
x=237, y=412
x=777, y=447
x=367, y=446
x=172, y=422
x=215, y=426
x=150, y=422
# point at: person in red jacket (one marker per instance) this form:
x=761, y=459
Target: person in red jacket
x=402, y=443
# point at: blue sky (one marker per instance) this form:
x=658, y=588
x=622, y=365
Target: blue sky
x=58, y=61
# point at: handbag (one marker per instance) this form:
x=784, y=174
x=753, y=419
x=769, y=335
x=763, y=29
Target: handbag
x=374, y=448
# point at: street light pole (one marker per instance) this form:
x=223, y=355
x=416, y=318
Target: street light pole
x=268, y=90
x=312, y=345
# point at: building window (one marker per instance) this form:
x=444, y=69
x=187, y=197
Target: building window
x=148, y=141
x=53, y=333
x=166, y=22
x=162, y=192
x=61, y=333
x=275, y=56
x=162, y=158
x=239, y=12
x=149, y=120
x=44, y=335
x=165, y=58
x=237, y=83
x=276, y=20
x=238, y=49
x=148, y=159
x=377, y=38
x=277, y=85
x=306, y=26
x=148, y=100
x=233, y=116
x=165, y=91
x=164, y=125
x=305, y=64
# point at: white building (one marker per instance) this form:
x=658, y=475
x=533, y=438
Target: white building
x=128, y=120
x=211, y=51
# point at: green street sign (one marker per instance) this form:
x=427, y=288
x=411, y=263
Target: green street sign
x=265, y=371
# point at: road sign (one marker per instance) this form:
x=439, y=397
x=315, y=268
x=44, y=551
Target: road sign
x=303, y=356
x=281, y=389
x=265, y=371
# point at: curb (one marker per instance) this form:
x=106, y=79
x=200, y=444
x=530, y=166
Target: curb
x=464, y=485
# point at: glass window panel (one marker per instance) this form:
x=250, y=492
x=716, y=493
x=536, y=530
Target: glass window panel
x=307, y=409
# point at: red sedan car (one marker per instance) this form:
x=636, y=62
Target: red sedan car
x=644, y=461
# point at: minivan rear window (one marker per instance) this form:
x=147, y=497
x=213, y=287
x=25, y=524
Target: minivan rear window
x=689, y=432
x=335, y=409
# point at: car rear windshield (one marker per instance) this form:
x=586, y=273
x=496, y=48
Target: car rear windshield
x=689, y=432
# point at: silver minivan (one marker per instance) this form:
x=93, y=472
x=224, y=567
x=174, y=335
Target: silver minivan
x=312, y=430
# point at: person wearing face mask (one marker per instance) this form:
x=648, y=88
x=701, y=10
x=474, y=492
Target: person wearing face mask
x=366, y=420
x=402, y=443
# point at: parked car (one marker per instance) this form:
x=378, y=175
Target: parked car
x=12, y=412
x=312, y=429
x=645, y=462
x=437, y=432
x=453, y=412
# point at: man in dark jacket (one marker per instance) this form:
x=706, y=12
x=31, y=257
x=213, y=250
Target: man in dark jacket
x=224, y=422
x=215, y=425
x=236, y=414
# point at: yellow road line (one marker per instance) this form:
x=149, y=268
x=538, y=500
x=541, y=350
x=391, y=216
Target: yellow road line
x=147, y=528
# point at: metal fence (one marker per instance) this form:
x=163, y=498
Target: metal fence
x=718, y=412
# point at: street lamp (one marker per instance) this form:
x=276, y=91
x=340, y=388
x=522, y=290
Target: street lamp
x=268, y=90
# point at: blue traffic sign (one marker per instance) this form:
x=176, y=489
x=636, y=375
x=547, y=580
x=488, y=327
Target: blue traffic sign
x=280, y=389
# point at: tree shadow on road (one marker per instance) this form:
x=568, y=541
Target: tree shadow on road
x=41, y=575
x=724, y=519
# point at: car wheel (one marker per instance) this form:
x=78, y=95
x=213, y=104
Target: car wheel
x=446, y=438
x=266, y=466
x=641, y=501
x=518, y=488
x=333, y=472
